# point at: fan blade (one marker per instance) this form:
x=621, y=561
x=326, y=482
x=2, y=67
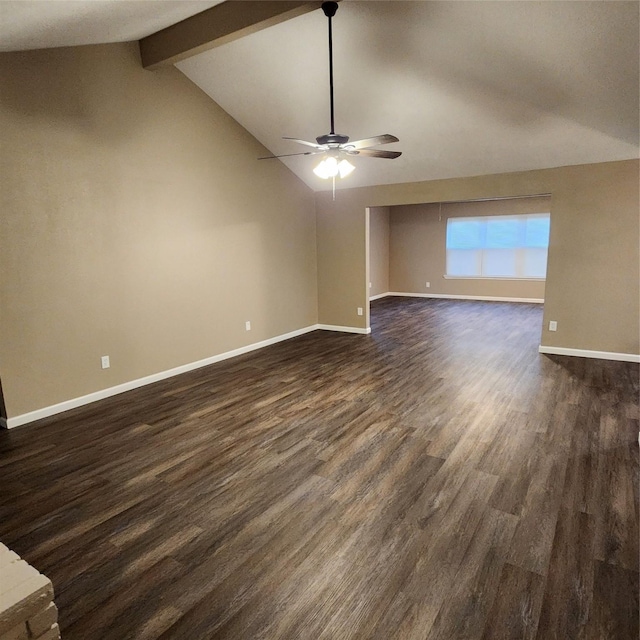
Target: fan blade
x=386, y=138
x=286, y=155
x=309, y=144
x=378, y=153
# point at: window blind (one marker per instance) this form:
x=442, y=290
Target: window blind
x=498, y=246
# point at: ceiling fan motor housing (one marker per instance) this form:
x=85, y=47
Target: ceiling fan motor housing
x=332, y=139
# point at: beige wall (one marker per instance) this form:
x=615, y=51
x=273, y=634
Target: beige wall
x=135, y=222
x=418, y=235
x=592, y=276
x=378, y=250
x=342, y=260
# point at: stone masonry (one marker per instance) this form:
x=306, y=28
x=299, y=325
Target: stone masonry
x=27, y=611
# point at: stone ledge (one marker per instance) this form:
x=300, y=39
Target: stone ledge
x=19, y=632
x=27, y=611
x=43, y=621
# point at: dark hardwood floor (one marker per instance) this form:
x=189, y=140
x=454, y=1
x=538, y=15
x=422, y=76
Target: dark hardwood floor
x=438, y=479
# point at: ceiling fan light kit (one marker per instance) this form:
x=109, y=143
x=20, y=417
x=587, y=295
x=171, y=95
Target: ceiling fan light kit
x=329, y=167
x=334, y=145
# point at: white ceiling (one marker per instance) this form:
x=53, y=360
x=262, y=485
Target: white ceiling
x=41, y=24
x=469, y=87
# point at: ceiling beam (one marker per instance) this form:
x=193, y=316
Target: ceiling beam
x=218, y=25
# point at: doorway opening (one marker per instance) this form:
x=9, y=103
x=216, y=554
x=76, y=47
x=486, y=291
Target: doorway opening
x=492, y=249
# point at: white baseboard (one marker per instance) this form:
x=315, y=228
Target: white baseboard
x=335, y=327
x=45, y=412
x=586, y=353
x=451, y=296
x=52, y=410
x=380, y=295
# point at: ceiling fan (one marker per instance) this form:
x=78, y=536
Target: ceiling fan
x=335, y=146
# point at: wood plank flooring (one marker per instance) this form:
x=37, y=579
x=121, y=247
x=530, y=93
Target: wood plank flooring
x=436, y=480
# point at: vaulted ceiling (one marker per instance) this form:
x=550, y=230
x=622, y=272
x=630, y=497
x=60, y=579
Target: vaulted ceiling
x=469, y=87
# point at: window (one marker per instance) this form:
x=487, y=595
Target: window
x=498, y=246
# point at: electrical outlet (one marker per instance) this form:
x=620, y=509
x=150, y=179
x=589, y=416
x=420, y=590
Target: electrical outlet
x=553, y=325
x=370, y=285
x=105, y=362
x=428, y=284
x=360, y=311
x=247, y=325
